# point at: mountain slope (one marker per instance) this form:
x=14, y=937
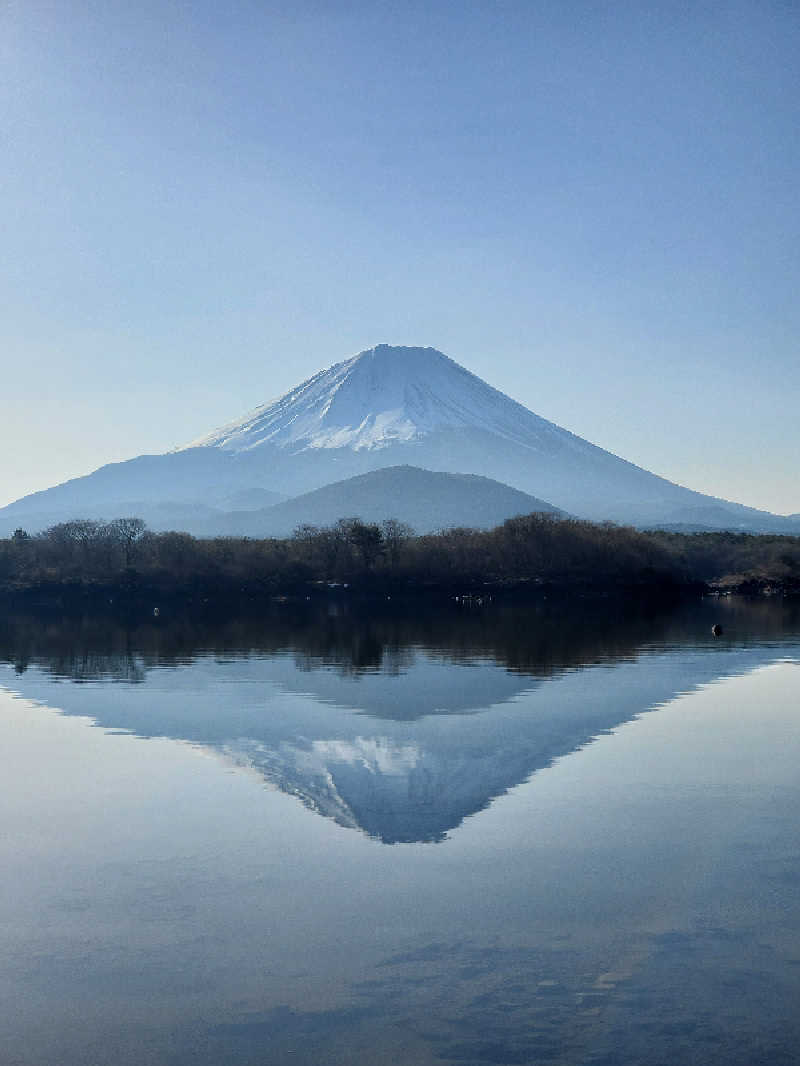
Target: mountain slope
x=384, y=396
x=385, y=407
x=425, y=499
x=179, y=490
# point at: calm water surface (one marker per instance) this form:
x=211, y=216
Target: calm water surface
x=465, y=836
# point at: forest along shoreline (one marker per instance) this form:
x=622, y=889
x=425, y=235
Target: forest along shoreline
x=86, y=564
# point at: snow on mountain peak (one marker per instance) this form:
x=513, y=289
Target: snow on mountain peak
x=382, y=396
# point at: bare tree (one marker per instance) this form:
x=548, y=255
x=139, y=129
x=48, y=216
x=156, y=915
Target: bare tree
x=128, y=532
x=364, y=537
x=395, y=534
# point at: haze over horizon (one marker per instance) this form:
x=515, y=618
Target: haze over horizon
x=591, y=208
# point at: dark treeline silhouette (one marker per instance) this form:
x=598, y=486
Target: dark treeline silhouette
x=545, y=638
x=534, y=640
x=125, y=559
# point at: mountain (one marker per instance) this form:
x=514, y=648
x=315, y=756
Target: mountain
x=426, y=500
x=386, y=407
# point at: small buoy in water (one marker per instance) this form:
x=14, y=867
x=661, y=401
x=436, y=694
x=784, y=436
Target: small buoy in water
x=156, y=612
x=716, y=629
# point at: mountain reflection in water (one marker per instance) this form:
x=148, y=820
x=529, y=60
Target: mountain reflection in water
x=398, y=723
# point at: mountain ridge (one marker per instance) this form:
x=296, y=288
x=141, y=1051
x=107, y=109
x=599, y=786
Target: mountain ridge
x=427, y=500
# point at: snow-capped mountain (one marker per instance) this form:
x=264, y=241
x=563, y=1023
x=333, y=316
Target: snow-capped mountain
x=391, y=406
x=384, y=396
x=386, y=407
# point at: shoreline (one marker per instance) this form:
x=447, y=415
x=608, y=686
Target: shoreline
x=140, y=597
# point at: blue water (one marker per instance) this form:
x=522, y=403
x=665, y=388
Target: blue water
x=457, y=836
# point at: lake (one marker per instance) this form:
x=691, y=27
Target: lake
x=460, y=835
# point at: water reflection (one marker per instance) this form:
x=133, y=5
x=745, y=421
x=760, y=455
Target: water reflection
x=635, y=903
x=356, y=640
x=399, y=723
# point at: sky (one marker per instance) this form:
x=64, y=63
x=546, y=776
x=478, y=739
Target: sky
x=591, y=205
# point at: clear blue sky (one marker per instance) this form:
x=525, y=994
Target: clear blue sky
x=594, y=206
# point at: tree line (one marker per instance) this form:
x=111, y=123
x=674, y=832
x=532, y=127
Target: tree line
x=525, y=551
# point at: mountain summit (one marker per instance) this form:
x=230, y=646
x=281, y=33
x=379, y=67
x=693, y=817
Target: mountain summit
x=383, y=396
x=387, y=407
